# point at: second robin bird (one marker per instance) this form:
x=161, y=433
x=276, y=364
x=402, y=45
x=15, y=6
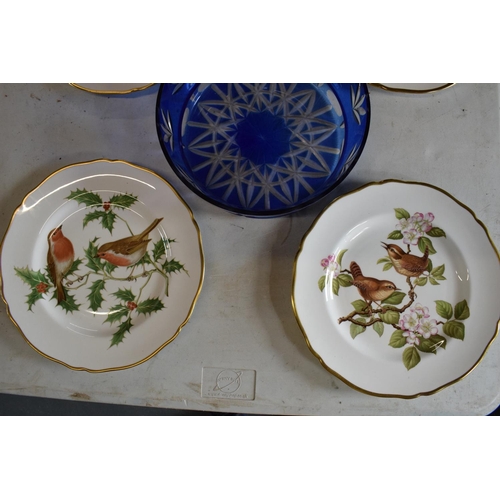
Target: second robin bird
x=127, y=251
x=405, y=263
x=371, y=289
x=60, y=258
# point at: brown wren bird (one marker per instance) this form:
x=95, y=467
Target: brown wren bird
x=371, y=289
x=405, y=263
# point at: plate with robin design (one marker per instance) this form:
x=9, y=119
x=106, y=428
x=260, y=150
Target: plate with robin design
x=396, y=287
x=109, y=267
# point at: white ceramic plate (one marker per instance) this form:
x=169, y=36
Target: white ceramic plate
x=108, y=317
x=399, y=346
x=112, y=88
x=413, y=88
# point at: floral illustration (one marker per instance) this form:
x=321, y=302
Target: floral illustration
x=383, y=304
x=126, y=260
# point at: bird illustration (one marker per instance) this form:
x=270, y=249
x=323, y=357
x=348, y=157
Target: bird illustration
x=60, y=258
x=371, y=289
x=127, y=251
x=405, y=263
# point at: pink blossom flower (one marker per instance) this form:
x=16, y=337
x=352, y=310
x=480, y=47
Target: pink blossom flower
x=330, y=265
x=410, y=237
x=411, y=338
x=420, y=311
x=409, y=322
x=403, y=224
x=427, y=328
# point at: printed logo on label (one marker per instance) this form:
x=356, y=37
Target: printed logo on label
x=227, y=383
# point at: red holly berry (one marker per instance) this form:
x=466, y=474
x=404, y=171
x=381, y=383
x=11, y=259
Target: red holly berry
x=41, y=287
x=131, y=305
x=106, y=205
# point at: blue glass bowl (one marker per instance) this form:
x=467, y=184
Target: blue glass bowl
x=262, y=150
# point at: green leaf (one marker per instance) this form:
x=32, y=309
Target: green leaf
x=425, y=242
x=119, y=335
x=390, y=317
x=436, y=232
x=360, y=306
x=379, y=328
x=173, y=266
x=321, y=282
x=124, y=295
x=356, y=330
x=159, y=249
x=395, y=235
x=438, y=271
x=440, y=278
x=383, y=259
x=397, y=340
x=454, y=329
x=462, y=310
x=93, y=262
x=122, y=200
x=116, y=313
x=108, y=221
x=30, y=277
x=149, y=306
x=335, y=286
x=340, y=255
x=444, y=309
x=387, y=266
x=432, y=281
x=395, y=298
x=144, y=261
x=422, y=281
x=411, y=357
x=95, y=296
x=432, y=344
x=401, y=213
x=109, y=268
x=85, y=197
x=345, y=280
x=429, y=266
x=96, y=214
x=68, y=304
x=32, y=298
x=74, y=267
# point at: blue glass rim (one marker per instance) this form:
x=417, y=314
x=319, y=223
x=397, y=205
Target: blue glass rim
x=346, y=163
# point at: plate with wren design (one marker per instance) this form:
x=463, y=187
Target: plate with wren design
x=262, y=150
x=110, y=267
x=395, y=289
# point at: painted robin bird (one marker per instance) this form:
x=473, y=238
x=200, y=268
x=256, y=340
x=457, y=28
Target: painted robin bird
x=405, y=263
x=60, y=258
x=371, y=289
x=127, y=251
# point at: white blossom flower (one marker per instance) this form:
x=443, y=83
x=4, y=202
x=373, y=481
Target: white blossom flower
x=411, y=338
x=411, y=237
x=420, y=311
x=409, y=322
x=330, y=265
x=427, y=328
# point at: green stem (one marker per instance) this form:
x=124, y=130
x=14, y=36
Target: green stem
x=126, y=223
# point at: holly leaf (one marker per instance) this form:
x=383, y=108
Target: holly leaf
x=87, y=198
x=159, y=249
x=411, y=357
x=401, y=213
x=173, y=266
x=340, y=255
x=149, y=306
x=454, y=329
x=122, y=200
x=32, y=298
x=395, y=235
x=116, y=313
x=95, y=296
x=395, y=298
x=425, y=242
x=356, y=329
x=119, y=335
x=96, y=214
x=93, y=262
x=432, y=344
x=345, y=280
x=109, y=268
x=68, y=304
x=144, y=261
x=462, y=310
x=397, y=340
x=74, y=267
x=108, y=221
x=444, y=309
x=124, y=295
x=335, y=286
x=379, y=328
x=436, y=232
x=30, y=277
x=321, y=282
x=390, y=317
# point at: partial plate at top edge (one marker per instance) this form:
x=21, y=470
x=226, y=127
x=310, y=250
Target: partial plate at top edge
x=111, y=88
x=413, y=88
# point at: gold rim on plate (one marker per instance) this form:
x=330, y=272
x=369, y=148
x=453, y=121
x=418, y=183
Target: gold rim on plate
x=406, y=90
x=113, y=91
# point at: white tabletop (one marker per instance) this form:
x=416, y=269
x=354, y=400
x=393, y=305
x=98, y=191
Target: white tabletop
x=243, y=319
